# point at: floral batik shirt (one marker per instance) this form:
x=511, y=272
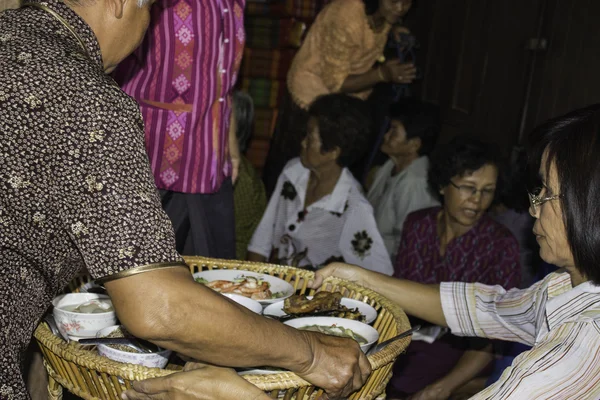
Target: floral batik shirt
x=76, y=189
x=337, y=227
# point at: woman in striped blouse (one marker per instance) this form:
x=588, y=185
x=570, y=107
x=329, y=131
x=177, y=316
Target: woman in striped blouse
x=558, y=316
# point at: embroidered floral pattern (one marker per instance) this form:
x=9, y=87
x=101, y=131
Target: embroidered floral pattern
x=361, y=244
x=288, y=191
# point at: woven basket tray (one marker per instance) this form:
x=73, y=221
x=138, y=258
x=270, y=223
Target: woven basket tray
x=91, y=376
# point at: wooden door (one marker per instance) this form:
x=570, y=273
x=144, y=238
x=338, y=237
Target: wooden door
x=474, y=63
x=566, y=75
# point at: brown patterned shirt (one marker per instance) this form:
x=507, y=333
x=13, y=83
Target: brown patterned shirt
x=75, y=184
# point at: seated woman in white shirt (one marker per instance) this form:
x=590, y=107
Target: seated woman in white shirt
x=400, y=185
x=317, y=213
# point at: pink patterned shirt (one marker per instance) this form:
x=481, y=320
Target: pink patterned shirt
x=488, y=253
x=182, y=76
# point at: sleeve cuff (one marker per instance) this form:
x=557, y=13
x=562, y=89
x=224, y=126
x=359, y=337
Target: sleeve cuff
x=140, y=270
x=455, y=305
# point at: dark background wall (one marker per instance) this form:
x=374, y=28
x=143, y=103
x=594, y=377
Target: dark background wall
x=498, y=68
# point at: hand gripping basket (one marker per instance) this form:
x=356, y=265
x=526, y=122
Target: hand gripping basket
x=91, y=376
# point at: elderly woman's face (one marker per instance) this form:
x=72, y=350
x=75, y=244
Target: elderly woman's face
x=311, y=155
x=391, y=10
x=549, y=228
x=468, y=197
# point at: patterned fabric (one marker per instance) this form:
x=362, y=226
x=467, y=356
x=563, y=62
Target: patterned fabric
x=264, y=123
x=269, y=33
x=340, y=43
x=269, y=64
x=394, y=197
x=183, y=76
x=76, y=189
x=264, y=92
x=561, y=322
x=339, y=226
x=304, y=9
x=250, y=201
x=487, y=253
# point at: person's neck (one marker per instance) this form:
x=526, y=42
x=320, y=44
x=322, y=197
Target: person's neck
x=448, y=229
x=401, y=162
x=94, y=15
x=577, y=278
x=321, y=182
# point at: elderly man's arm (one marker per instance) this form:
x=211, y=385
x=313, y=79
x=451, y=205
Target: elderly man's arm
x=168, y=308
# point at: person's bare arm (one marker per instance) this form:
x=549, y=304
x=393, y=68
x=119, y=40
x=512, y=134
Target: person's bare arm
x=392, y=71
x=251, y=256
x=416, y=299
x=168, y=308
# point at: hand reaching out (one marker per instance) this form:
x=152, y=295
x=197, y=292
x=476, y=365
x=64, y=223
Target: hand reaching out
x=196, y=382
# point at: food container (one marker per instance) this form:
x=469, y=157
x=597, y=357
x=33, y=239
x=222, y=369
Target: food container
x=369, y=333
x=152, y=360
x=81, y=325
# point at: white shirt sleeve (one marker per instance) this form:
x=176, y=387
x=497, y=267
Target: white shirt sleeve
x=414, y=196
x=262, y=239
x=360, y=241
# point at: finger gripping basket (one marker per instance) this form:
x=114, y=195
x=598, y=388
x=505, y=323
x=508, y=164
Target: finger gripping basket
x=91, y=376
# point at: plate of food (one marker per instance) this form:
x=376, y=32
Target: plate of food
x=264, y=288
x=325, y=304
x=364, y=334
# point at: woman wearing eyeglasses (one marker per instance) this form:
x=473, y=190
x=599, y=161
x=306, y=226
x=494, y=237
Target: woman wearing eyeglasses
x=560, y=315
x=455, y=242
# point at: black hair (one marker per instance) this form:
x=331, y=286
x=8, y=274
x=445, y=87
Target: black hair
x=243, y=111
x=572, y=144
x=420, y=120
x=344, y=122
x=371, y=6
x=515, y=182
x=461, y=156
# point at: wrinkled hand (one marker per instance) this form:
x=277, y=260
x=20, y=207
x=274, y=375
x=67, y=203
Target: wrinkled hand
x=432, y=392
x=398, y=72
x=339, y=366
x=197, y=382
x=340, y=270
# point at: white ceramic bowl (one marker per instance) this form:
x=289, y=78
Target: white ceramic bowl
x=276, y=285
x=250, y=304
x=276, y=309
x=151, y=360
x=81, y=324
x=362, y=329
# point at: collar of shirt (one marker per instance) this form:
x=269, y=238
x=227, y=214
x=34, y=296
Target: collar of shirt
x=566, y=302
x=81, y=28
x=335, y=202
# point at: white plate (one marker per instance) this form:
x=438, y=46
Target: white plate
x=247, y=302
x=276, y=285
x=370, y=334
x=276, y=309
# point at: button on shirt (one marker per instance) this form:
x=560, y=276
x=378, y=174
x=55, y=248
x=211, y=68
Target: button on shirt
x=75, y=185
x=339, y=226
x=394, y=197
x=183, y=75
x=561, y=322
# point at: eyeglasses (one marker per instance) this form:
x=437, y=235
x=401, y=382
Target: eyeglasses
x=467, y=191
x=536, y=201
